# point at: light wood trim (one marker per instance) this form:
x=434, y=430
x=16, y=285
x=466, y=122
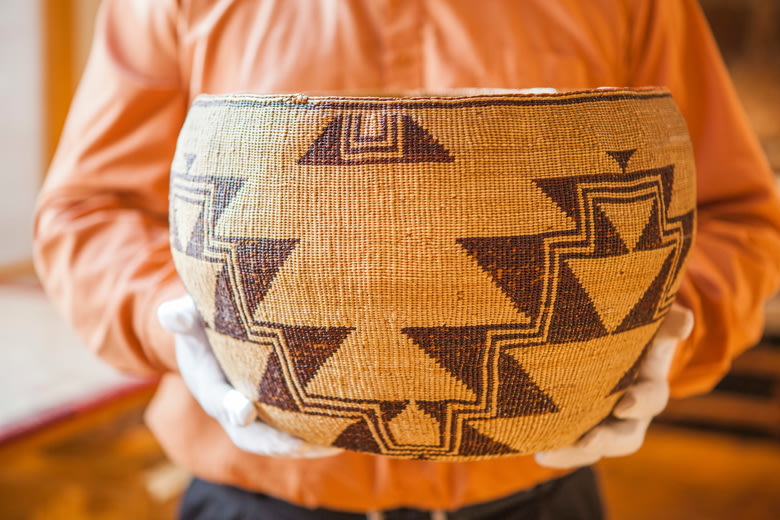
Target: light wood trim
x=58, y=81
x=15, y=270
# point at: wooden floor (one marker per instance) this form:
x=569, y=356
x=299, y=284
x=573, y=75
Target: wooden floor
x=682, y=474
x=102, y=465
x=106, y=465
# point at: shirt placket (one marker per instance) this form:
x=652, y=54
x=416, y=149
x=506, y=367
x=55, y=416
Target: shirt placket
x=402, y=34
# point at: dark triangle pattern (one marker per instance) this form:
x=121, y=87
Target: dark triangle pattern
x=309, y=347
x=563, y=191
x=258, y=261
x=687, y=220
x=630, y=376
x=197, y=239
x=174, y=233
x=460, y=350
x=225, y=189
x=473, y=443
x=667, y=180
x=358, y=437
x=644, y=310
x=518, y=395
x=420, y=146
x=227, y=319
x=607, y=241
x=516, y=265
x=651, y=236
x=574, y=317
x=390, y=409
x=622, y=157
x=189, y=158
x=326, y=148
x=273, y=389
x=436, y=409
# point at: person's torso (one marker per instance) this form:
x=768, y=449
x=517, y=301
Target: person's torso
x=282, y=46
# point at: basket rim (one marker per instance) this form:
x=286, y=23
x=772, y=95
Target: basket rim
x=456, y=98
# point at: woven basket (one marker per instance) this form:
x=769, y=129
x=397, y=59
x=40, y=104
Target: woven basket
x=449, y=278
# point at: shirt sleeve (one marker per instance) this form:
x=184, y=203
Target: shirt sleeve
x=735, y=262
x=101, y=230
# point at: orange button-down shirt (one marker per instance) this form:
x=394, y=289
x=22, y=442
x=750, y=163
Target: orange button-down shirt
x=102, y=236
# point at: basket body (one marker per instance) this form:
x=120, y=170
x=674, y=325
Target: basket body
x=438, y=278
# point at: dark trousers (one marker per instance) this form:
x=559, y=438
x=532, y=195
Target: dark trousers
x=575, y=496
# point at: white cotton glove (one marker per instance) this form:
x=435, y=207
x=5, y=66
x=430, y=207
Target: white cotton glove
x=207, y=383
x=624, y=432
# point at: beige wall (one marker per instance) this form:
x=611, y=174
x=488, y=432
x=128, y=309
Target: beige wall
x=44, y=46
x=21, y=125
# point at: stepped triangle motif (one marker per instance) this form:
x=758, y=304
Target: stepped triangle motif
x=186, y=217
x=258, y=260
x=574, y=316
x=351, y=139
x=363, y=354
x=629, y=220
x=475, y=377
x=515, y=263
x=615, y=284
x=518, y=395
x=197, y=206
x=414, y=427
x=274, y=389
x=309, y=347
x=227, y=315
x=460, y=350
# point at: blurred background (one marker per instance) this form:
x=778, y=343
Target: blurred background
x=72, y=440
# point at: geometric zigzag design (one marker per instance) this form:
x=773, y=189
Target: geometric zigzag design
x=353, y=139
x=525, y=266
x=553, y=278
x=534, y=270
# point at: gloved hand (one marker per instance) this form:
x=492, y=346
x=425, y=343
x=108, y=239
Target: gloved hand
x=207, y=383
x=624, y=432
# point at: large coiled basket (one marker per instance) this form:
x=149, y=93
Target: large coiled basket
x=446, y=278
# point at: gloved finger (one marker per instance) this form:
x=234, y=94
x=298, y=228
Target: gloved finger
x=643, y=399
x=211, y=395
x=655, y=365
x=262, y=439
x=615, y=438
x=179, y=315
x=313, y=451
x=677, y=325
x=196, y=360
x=240, y=410
x=204, y=377
x=207, y=383
x=566, y=457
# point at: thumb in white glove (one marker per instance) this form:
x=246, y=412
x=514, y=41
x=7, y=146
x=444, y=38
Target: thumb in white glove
x=207, y=383
x=624, y=432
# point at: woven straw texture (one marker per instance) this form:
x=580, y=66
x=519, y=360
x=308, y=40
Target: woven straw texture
x=449, y=278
